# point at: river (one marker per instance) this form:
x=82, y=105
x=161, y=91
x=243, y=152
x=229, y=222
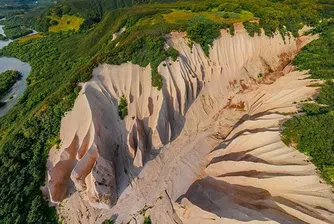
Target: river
x=17, y=90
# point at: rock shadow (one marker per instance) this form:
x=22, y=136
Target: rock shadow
x=238, y=202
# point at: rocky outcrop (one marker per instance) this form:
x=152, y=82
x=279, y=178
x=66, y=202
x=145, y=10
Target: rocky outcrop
x=252, y=175
x=206, y=148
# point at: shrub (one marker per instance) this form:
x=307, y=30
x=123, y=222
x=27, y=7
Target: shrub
x=173, y=53
x=54, y=22
x=313, y=133
x=315, y=108
x=16, y=32
x=199, y=8
x=228, y=7
x=122, y=107
x=270, y=20
x=226, y=15
x=204, y=33
x=7, y=80
x=3, y=38
x=326, y=95
x=147, y=220
x=252, y=28
x=314, y=136
x=147, y=49
x=318, y=55
x=260, y=75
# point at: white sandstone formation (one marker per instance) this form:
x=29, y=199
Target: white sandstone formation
x=204, y=149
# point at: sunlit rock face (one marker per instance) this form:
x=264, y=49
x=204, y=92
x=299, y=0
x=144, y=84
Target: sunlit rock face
x=204, y=149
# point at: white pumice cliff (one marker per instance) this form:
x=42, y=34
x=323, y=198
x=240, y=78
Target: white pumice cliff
x=204, y=149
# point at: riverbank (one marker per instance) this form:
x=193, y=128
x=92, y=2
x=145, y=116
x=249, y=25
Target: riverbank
x=3, y=43
x=9, y=63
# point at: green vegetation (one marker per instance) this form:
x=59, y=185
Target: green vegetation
x=282, y=15
x=173, y=53
x=93, y=11
x=122, y=107
x=60, y=60
x=7, y=80
x=205, y=32
x=318, y=55
x=181, y=16
x=315, y=108
x=143, y=51
x=32, y=127
x=107, y=221
x=252, y=28
x=229, y=7
x=34, y=36
x=16, y=31
x=313, y=133
x=64, y=23
x=3, y=38
x=14, y=7
x=147, y=220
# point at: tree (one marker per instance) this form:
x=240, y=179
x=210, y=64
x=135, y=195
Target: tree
x=122, y=107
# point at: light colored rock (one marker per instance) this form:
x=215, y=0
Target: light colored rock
x=204, y=149
x=115, y=35
x=252, y=175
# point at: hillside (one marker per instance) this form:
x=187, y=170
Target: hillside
x=154, y=110
x=163, y=144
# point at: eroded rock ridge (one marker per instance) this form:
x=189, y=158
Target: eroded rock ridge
x=204, y=149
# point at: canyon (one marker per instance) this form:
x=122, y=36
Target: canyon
x=204, y=149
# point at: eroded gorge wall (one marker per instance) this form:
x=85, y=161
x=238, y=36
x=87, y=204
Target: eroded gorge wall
x=204, y=149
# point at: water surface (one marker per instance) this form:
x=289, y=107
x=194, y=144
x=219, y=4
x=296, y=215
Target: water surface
x=8, y=63
x=17, y=90
x=3, y=43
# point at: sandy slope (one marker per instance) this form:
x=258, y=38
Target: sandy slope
x=204, y=149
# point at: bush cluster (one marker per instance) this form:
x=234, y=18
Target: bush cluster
x=252, y=28
x=313, y=133
x=204, y=32
x=16, y=31
x=7, y=80
x=122, y=107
